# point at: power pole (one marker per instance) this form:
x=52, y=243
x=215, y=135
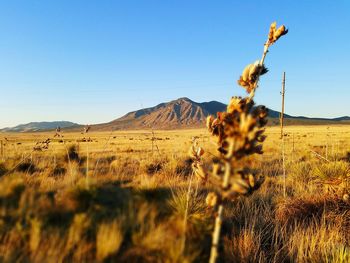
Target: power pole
x=282, y=93
x=2, y=150
x=282, y=135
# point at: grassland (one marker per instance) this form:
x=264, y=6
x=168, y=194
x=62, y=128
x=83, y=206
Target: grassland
x=122, y=197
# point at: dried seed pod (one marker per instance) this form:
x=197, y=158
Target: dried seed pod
x=258, y=182
x=200, y=152
x=251, y=179
x=246, y=71
x=217, y=169
x=235, y=105
x=199, y=171
x=281, y=31
x=192, y=152
x=250, y=75
x=240, y=188
x=272, y=32
x=209, y=122
x=212, y=199
x=254, y=69
x=244, y=84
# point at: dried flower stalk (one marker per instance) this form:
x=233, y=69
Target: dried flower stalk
x=43, y=145
x=239, y=132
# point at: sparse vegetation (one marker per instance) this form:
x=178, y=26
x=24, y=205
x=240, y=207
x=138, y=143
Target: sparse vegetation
x=129, y=215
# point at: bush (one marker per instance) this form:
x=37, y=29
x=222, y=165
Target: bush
x=331, y=170
x=305, y=210
x=153, y=168
x=26, y=167
x=3, y=169
x=58, y=171
x=73, y=154
x=184, y=167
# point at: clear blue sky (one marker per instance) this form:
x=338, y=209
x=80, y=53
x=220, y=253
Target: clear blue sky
x=93, y=61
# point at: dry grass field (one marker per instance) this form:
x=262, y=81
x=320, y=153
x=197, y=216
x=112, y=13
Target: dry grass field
x=124, y=196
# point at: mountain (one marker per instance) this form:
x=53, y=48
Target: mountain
x=343, y=118
x=180, y=113
x=40, y=126
x=185, y=113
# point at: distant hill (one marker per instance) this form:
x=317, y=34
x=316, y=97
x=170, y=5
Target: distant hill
x=185, y=113
x=40, y=126
x=343, y=118
x=176, y=114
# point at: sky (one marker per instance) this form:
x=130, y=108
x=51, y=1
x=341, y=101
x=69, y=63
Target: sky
x=93, y=61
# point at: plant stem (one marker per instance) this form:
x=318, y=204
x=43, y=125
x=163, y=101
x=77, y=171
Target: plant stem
x=216, y=235
x=186, y=214
x=266, y=49
x=218, y=220
x=87, y=164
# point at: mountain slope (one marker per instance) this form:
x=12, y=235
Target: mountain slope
x=185, y=113
x=180, y=113
x=40, y=126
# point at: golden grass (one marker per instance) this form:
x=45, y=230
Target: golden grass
x=132, y=208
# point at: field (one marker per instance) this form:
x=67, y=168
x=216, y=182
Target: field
x=131, y=196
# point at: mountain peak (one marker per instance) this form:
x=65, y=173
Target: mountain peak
x=184, y=99
x=181, y=112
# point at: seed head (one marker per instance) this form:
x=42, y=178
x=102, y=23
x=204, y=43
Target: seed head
x=212, y=199
x=236, y=104
x=274, y=34
x=250, y=75
x=209, y=121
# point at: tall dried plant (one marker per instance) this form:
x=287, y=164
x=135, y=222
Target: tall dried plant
x=85, y=131
x=240, y=133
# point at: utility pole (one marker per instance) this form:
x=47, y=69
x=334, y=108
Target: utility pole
x=282, y=135
x=282, y=93
x=2, y=150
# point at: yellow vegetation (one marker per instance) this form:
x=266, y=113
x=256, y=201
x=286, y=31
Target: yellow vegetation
x=132, y=210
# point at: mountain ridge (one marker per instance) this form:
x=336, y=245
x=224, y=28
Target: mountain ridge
x=175, y=114
x=186, y=113
x=39, y=126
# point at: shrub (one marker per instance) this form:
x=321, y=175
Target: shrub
x=26, y=167
x=331, y=170
x=307, y=209
x=58, y=171
x=3, y=169
x=184, y=168
x=153, y=168
x=72, y=154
